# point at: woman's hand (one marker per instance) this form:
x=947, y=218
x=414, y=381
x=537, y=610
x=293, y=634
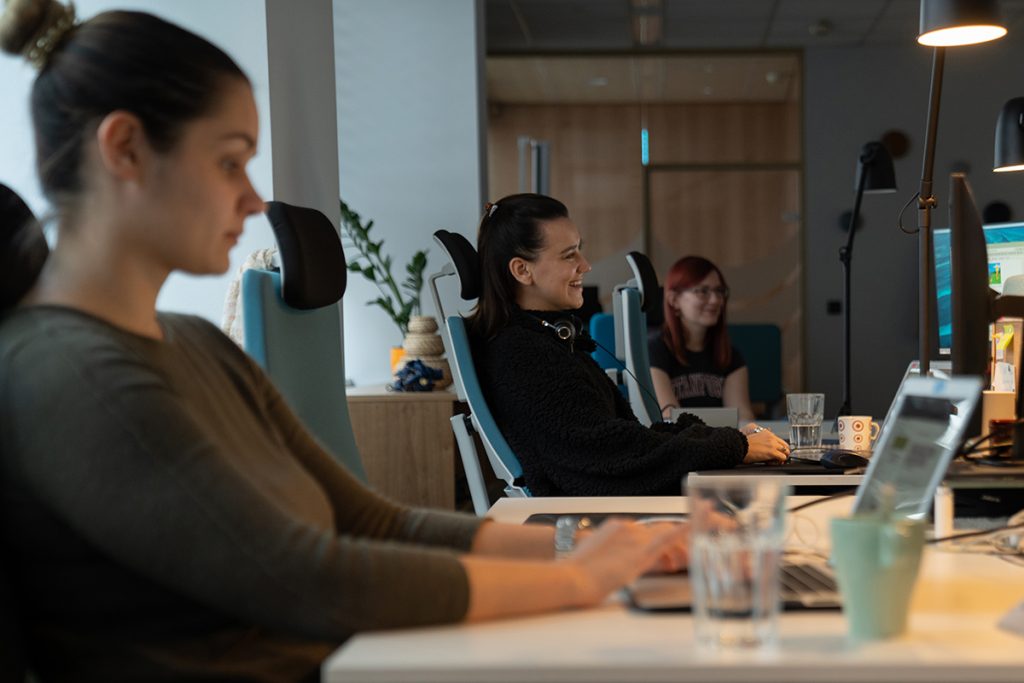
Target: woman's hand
x=764, y=446
x=619, y=551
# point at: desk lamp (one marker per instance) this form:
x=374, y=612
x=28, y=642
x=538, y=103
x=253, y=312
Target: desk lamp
x=875, y=175
x=944, y=23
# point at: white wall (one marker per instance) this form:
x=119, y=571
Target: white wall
x=236, y=26
x=852, y=96
x=409, y=106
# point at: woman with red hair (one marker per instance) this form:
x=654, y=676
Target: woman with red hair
x=693, y=365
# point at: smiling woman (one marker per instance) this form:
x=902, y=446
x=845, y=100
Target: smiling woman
x=693, y=364
x=568, y=424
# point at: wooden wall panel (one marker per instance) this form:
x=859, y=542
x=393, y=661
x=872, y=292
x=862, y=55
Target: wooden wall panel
x=724, y=133
x=595, y=165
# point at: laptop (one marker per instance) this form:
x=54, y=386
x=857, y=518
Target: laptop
x=712, y=417
x=927, y=423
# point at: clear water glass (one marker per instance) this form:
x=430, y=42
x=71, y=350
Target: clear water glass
x=806, y=412
x=736, y=545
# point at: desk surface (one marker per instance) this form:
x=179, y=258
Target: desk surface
x=379, y=392
x=952, y=636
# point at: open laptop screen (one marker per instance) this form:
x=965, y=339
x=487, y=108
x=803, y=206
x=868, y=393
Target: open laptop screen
x=926, y=425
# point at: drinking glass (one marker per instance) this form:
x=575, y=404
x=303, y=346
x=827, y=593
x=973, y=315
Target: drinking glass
x=736, y=543
x=806, y=411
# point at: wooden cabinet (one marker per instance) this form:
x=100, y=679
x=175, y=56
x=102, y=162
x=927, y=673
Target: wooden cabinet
x=406, y=443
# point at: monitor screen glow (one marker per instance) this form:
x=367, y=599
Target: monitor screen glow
x=1005, y=246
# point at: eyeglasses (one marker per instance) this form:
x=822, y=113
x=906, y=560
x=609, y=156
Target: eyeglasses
x=704, y=292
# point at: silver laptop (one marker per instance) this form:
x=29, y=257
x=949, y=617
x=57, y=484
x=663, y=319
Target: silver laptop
x=926, y=425
x=712, y=417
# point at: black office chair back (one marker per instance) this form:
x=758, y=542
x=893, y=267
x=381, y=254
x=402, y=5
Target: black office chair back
x=23, y=248
x=313, y=273
x=466, y=261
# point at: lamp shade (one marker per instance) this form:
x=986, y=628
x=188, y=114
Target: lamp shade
x=1010, y=137
x=959, y=22
x=879, y=174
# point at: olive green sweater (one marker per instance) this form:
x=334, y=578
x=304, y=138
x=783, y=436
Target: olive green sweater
x=164, y=515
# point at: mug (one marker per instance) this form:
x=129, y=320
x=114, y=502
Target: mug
x=876, y=563
x=856, y=432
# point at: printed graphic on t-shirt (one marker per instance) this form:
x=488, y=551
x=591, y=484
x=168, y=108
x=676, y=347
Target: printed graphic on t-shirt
x=698, y=384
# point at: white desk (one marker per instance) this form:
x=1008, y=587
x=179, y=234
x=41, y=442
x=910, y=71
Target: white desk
x=952, y=634
x=837, y=480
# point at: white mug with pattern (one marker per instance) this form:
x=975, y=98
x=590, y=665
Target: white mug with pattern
x=857, y=432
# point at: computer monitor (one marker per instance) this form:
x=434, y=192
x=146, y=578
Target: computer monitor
x=1005, y=250
x=970, y=295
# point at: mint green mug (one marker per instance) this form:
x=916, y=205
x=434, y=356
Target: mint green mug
x=876, y=562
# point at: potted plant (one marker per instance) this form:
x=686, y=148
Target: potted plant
x=401, y=301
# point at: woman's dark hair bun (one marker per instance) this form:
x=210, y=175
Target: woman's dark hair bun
x=32, y=28
x=23, y=248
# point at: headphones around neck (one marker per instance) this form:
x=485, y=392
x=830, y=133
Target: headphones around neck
x=564, y=329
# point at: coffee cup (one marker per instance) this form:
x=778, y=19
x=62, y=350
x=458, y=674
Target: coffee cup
x=856, y=432
x=876, y=564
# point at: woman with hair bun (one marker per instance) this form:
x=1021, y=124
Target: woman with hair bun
x=693, y=365
x=163, y=514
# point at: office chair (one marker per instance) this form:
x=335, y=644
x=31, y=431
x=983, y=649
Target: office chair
x=466, y=264
x=23, y=250
x=292, y=326
x=631, y=302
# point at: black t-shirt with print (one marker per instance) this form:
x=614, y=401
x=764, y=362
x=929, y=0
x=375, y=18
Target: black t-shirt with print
x=699, y=384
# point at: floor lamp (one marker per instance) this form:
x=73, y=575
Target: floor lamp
x=875, y=175
x=944, y=23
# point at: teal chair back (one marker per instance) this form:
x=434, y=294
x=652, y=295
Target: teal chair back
x=292, y=326
x=602, y=331
x=630, y=304
x=761, y=346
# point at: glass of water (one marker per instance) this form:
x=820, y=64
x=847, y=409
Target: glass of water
x=736, y=543
x=806, y=412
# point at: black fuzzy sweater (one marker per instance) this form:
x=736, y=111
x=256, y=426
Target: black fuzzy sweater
x=572, y=430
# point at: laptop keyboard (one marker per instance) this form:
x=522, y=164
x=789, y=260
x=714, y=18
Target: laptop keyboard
x=808, y=584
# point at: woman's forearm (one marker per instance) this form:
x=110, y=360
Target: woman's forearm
x=523, y=541
x=505, y=588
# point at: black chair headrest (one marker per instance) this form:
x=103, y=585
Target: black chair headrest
x=646, y=278
x=313, y=272
x=465, y=259
x=23, y=248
